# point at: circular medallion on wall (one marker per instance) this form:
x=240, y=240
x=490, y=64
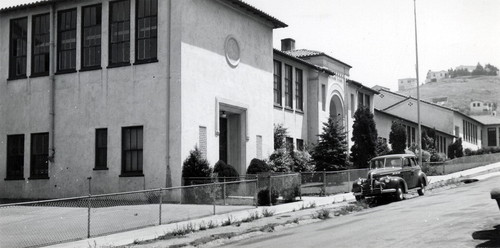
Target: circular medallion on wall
x=232, y=50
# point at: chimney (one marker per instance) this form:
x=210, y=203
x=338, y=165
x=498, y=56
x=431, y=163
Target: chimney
x=287, y=44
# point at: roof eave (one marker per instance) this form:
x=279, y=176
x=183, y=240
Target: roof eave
x=315, y=67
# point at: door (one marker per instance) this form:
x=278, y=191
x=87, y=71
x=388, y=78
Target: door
x=223, y=139
x=407, y=173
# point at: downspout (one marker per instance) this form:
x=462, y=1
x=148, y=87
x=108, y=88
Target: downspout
x=52, y=149
x=169, y=96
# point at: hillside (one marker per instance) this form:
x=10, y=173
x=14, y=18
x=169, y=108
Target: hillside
x=461, y=91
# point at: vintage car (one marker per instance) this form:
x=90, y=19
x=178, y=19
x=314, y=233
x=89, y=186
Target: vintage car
x=391, y=175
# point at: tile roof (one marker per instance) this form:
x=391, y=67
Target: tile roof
x=322, y=69
x=360, y=85
x=235, y=3
x=305, y=53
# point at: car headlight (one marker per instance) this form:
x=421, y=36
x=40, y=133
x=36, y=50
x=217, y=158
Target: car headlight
x=358, y=182
x=387, y=180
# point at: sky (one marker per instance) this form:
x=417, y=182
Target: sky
x=377, y=37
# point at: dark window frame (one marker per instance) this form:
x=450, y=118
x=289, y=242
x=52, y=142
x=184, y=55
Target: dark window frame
x=300, y=144
x=492, y=137
x=277, y=83
x=289, y=144
x=299, y=90
x=15, y=157
x=39, y=164
x=130, y=150
x=69, y=65
x=125, y=43
x=153, y=37
x=288, y=86
x=101, y=149
x=41, y=50
x=87, y=31
x=14, y=73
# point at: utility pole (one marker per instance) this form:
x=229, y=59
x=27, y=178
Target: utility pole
x=419, y=134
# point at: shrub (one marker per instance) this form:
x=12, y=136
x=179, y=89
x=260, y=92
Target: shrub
x=224, y=170
x=381, y=147
x=195, y=165
x=302, y=161
x=437, y=157
x=364, y=136
x=455, y=150
x=263, y=197
x=280, y=133
x=429, y=170
x=467, y=152
x=280, y=161
x=257, y=166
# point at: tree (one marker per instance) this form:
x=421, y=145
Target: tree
x=280, y=133
x=195, y=165
x=381, y=148
x=428, y=136
x=330, y=153
x=364, y=136
x=479, y=70
x=397, y=137
x=491, y=70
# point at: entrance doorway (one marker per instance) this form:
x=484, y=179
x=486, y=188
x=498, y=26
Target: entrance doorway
x=232, y=133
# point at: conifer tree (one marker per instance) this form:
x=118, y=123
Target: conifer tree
x=331, y=152
x=397, y=138
x=364, y=136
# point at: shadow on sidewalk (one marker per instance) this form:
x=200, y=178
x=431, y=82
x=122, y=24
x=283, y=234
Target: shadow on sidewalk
x=492, y=237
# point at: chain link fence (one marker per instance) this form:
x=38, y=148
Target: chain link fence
x=40, y=223
x=330, y=182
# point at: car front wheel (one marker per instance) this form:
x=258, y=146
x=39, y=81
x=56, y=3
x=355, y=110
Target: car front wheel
x=399, y=194
x=421, y=191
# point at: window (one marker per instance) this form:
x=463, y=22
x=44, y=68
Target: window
x=146, y=30
x=288, y=87
x=259, y=146
x=132, y=151
x=15, y=156
x=277, y=83
x=360, y=99
x=492, y=137
x=39, y=156
x=91, y=37
x=101, y=149
x=352, y=105
x=119, y=34
x=367, y=101
x=40, y=45
x=323, y=97
x=66, y=41
x=300, y=144
x=18, y=47
x=289, y=144
x=299, y=94
x=202, y=141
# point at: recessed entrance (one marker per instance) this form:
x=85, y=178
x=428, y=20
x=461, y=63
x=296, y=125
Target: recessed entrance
x=336, y=110
x=232, y=136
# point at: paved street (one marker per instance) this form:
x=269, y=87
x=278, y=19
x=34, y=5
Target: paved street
x=444, y=218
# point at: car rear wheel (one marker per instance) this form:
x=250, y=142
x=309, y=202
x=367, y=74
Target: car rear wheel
x=398, y=196
x=421, y=191
x=359, y=198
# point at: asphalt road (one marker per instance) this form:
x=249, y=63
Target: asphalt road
x=464, y=216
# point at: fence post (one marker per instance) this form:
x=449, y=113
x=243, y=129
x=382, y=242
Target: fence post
x=161, y=201
x=270, y=191
x=213, y=194
x=324, y=183
x=348, y=181
x=255, y=196
x=88, y=215
x=224, y=191
x=300, y=186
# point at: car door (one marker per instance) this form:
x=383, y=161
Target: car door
x=407, y=173
x=415, y=171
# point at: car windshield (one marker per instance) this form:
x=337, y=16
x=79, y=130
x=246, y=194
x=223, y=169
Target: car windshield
x=385, y=162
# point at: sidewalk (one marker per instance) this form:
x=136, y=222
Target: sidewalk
x=149, y=233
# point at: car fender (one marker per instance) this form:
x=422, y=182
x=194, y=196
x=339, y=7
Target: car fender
x=422, y=176
x=396, y=181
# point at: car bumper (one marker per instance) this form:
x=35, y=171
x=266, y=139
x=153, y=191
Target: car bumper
x=375, y=192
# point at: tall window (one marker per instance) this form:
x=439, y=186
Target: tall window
x=300, y=144
x=91, y=37
x=40, y=45
x=288, y=87
x=66, y=41
x=146, y=30
x=289, y=144
x=299, y=99
x=353, y=108
x=119, y=34
x=277, y=83
x=323, y=97
x=101, y=149
x=39, y=156
x=367, y=101
x=132, y=151
x=18, y=47
x=15, y=157
x=492, y=137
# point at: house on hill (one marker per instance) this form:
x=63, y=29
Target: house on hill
x=434, y=76
x=482, y=108
x=407, y=83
